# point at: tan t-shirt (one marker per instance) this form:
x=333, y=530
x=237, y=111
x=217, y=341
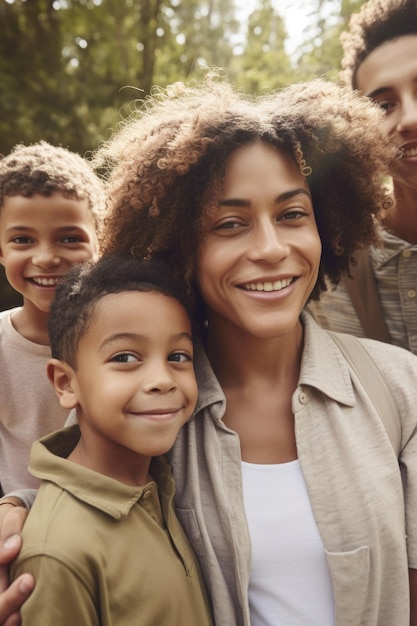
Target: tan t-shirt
x=29, y=407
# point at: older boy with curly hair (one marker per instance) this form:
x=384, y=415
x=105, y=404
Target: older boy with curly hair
x=51, y=204
x=380, y=61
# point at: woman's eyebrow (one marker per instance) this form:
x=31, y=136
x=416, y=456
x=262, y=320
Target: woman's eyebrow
x=287, y=195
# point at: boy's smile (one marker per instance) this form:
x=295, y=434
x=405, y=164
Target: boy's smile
x=133, y=384
x=41, y=237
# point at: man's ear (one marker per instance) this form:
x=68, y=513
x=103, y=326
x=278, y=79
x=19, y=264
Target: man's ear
x=61, y=376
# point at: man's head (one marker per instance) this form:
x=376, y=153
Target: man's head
x=378, y=22
x=380, y=61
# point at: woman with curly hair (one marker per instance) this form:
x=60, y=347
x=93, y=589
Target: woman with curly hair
x=288, y=483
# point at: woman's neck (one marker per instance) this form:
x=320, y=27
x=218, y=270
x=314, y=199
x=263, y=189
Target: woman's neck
x=259, y=377
x=239, y=359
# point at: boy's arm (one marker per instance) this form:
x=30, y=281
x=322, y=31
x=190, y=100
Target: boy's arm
x=61, y=596
x=11, y=598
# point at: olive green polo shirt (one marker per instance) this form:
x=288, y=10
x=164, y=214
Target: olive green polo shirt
x=104, y=553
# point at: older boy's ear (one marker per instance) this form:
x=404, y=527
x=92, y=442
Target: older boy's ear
x=60, y=375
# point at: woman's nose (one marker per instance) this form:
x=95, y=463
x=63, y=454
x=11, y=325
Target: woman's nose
x=268, y=243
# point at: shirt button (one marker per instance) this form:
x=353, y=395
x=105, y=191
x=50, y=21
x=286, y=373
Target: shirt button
x=303, y=397
x=411, y=293
x=407, y=253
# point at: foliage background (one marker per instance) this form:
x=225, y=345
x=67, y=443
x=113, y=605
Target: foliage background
x=70, y=70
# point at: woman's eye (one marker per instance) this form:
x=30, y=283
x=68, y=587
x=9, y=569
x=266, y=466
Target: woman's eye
x=228, y=226
x=293, y=214
x=179, y=357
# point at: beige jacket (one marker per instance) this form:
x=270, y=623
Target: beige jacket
x=352, y=475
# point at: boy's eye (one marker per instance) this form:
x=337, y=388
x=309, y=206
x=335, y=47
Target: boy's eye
x=179, y=357
x=71, y=239
x=124, y=357
x=21, y=239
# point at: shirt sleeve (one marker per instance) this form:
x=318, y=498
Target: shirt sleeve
x=60, y=596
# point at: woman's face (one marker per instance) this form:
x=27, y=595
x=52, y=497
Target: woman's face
x=261, y=249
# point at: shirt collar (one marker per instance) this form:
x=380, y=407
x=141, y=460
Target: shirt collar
x=390, y=247
x=322, y=366
x=48, y=461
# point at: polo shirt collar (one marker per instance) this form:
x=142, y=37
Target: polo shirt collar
x=48, y=461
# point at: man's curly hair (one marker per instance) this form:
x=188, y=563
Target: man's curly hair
x=44, y=169
x=165, y=166
x=378, y=22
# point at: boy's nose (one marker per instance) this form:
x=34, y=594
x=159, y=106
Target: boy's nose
x=159, y=379
x=45, y=256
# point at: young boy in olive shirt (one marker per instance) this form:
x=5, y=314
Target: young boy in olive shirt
x=102, y=539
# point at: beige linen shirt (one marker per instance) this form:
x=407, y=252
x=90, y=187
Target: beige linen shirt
x=366, y=518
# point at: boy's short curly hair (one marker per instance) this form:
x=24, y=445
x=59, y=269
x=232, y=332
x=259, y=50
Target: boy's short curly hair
x=44, y=169
x=166, y=165
x=378, y=22
x=86, y=283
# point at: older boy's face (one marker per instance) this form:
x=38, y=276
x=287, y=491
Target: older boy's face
x=41, y=237
x=389, y=76
x=134, y=384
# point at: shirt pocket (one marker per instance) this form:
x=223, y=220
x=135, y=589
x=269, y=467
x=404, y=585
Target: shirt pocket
x=350, y=575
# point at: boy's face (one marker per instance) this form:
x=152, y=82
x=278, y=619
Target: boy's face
x=134, y=384
x=41, y=237
x=389, y=76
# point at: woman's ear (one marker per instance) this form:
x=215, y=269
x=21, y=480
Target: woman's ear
x=61, y=376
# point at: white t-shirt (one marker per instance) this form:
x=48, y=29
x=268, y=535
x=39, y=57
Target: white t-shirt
x=290, y=583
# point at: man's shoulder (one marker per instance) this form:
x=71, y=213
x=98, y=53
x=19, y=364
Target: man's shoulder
x=335, y=311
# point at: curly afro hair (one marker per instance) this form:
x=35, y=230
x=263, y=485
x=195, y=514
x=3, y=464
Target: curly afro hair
x=378, y=22
x=166, y=162
x=44, y=169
